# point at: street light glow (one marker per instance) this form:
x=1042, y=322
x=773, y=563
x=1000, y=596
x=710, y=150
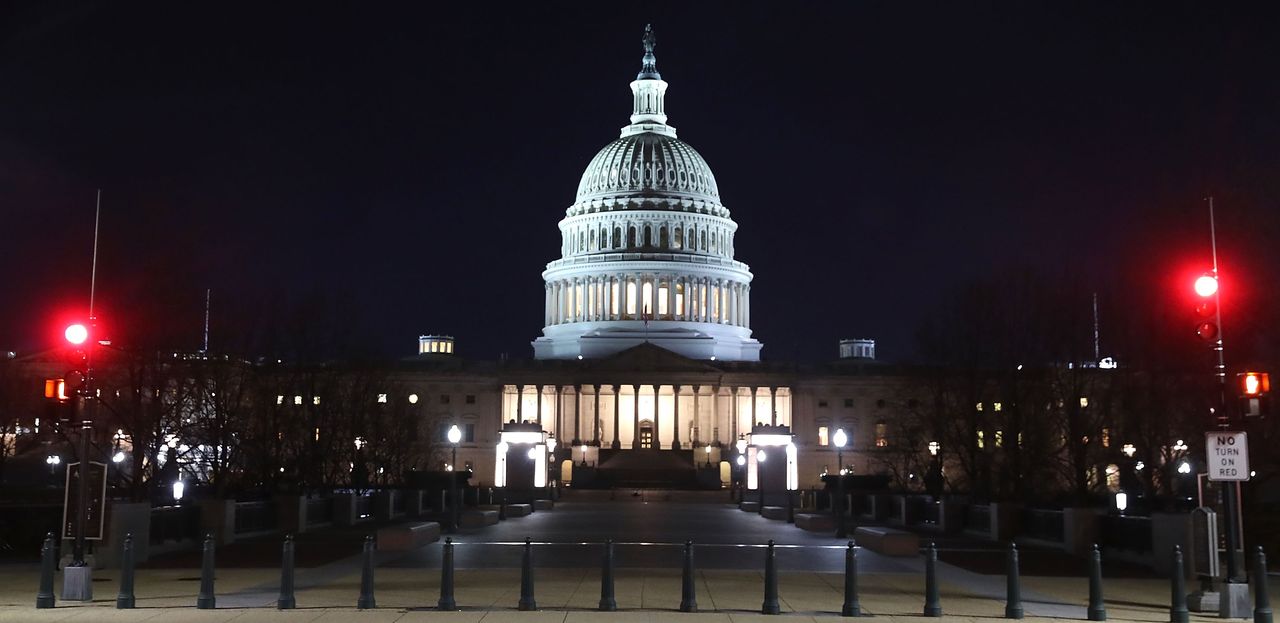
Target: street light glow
x=841, y=438
x=455, y=434
x=118, y=457
x=760, y=456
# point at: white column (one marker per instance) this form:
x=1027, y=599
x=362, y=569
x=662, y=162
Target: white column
x=608, y=298
x=555, y=303
x=746, y=306
x=671, y=296
x=733, y=303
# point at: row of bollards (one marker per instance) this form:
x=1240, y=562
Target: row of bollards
x=1095, y=611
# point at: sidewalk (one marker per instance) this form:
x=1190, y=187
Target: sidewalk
x=328, y=593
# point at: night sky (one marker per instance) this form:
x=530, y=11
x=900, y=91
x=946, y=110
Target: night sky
x=385, y=170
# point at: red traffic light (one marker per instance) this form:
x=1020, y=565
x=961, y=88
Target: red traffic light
x=1254, y=384
x=76, y=334
x=1206, y=285
x=1207, y=331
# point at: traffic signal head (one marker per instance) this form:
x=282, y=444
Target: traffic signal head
x=1254, y=384
x=1206, y=287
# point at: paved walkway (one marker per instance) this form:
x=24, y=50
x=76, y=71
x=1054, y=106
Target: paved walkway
x=729, y=578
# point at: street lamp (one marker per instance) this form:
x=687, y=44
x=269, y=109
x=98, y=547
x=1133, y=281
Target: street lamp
x=708, y=453
x=52, y=461
x=179, y=489
x=455, y=435
x=841, y=438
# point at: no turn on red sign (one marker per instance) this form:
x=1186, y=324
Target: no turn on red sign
x=1227, y=455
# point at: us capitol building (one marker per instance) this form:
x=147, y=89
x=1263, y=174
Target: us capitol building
x=646, y=372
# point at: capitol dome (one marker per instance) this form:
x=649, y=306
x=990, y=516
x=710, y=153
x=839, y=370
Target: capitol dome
x=650, y=165
x=647, y=249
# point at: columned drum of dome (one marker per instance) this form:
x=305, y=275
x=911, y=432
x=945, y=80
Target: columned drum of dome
x=647, y=251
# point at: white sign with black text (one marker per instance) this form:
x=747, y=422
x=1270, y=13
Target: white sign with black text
x=1227, y=455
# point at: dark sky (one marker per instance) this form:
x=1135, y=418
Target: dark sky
x=400, y=168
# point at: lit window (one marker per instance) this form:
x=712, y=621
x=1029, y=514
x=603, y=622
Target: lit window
x=822, y=436
x=297, y=400
x=1084, y=402
x=978, y=407
x=317, y=433
x=279, y=400
x=315, y=400
x=613, y=298
x=882, y=434
x=997, y=406
x=382, y=398
x=982, y=442
x=999, y=438
x=1106, y=437
x=413, y=399
x=662, y=300
x=679, y=298
x=631, y=297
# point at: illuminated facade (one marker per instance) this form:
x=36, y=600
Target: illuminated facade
x=646, y=372
x=647, y=251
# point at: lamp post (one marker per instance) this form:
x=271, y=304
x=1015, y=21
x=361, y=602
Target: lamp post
x=741, y=447
x=502, y=490
x=760, y=457
x=455, y=435
x=841, y=438
x=708, y=454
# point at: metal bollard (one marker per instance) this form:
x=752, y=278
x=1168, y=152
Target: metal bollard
x=770, y=605
x=286, y=600
x=48, y=565
x=851, y=607
x=688, y=595
x=1097, y=608
x=1261, y=600
x=932, y=601
x=607, y=601
x=1178, y=589
x=527, y=602
x=125, y=599
x=791, y=507
x=1013, y=586
x=366, y=600
x=446, y=578
x=206, y=599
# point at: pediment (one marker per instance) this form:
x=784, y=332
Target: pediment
x=648, y=357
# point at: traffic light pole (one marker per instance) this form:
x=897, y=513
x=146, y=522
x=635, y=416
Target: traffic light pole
x=1234, y=598
x=82, y=484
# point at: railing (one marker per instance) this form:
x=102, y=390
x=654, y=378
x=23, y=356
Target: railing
x=319, y=511
x=255, y=517
x=175, y=523
x=364, y=507
x=1125, y=532
x=1045, y=525
x=977, y=517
